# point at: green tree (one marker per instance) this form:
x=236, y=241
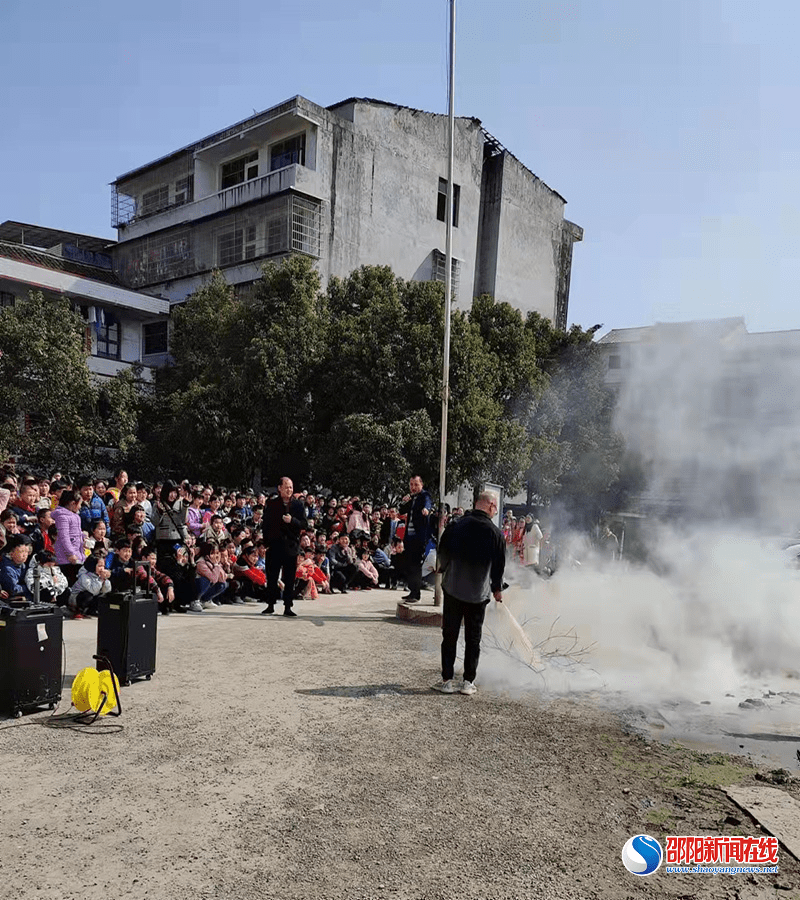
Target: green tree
x=236, y=402
x=283, y=331
x=122, y=403
x=383, y=366
x=48, y=401
x=192, y=424
x=367, y=457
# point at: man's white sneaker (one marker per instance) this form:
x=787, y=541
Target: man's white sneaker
x=195, y=606
x=468, y=688
x=447, y=687
x=208, y=604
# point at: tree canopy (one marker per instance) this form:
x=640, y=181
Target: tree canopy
x=340, y=387
x=52, y=412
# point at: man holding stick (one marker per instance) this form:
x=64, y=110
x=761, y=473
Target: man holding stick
x=472, y=558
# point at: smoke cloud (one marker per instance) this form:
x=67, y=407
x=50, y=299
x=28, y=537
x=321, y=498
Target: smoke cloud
x=712, y=608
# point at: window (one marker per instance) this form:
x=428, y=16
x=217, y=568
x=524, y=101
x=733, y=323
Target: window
x=238, y=170
x=108, y=334
x=184, y=190
x=277, y=232
x=305, y=226
x=439, y=270
x=153, y=201
x=441, y=203
x=290, y=152
x=237, y=245
x=154, y=338
x=7, y=299
x=615, y=361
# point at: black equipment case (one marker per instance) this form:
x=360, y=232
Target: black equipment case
x=30, y=657
x=127, y=632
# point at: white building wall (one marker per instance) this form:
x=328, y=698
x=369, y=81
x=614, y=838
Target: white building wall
x=383, y=177
x=375, y=167
x=531, y=217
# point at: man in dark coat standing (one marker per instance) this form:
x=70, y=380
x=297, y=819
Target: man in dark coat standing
x=416, y=507
x=284, y=519
x=472, y=557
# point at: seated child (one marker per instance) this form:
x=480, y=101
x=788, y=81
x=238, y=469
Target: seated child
x=53, y=587
x=252, y=579
x=93, y=580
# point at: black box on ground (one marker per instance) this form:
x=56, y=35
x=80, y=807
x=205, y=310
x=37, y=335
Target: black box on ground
x=30, y=658
x=126, y=634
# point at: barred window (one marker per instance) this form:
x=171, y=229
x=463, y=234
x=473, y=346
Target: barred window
x=439, y=270
x=237, y=245
x=184, y=190
x=155, y=200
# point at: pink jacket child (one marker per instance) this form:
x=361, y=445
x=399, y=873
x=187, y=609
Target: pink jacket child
x=365, y=566
x=212, y=571
x=69, y=543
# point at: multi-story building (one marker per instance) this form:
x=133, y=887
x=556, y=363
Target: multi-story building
x=123, y=326
x=359, y=182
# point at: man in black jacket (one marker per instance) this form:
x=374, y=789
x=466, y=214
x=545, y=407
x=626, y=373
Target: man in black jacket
x=284, y=519
x=416, y=506
x=472, y=557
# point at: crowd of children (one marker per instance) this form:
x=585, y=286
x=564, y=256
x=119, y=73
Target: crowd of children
x=68, y=541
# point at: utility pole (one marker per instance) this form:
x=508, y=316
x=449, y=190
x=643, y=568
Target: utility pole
x=448, y=284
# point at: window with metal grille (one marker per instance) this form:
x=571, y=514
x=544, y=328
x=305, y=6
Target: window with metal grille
x=277, y=233
x=439, y=270
x=155, y=200
x=441, y=201
x=305, y=226
x=109, y=334
x=7, y=299
x=184, y=190
x=290, y=152
x=155, y=338
x=236, y=171
x=237, y=245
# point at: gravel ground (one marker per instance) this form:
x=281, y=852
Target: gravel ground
x=308, y=758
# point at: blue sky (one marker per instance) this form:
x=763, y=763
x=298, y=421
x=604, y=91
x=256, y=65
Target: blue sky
x=669, y=126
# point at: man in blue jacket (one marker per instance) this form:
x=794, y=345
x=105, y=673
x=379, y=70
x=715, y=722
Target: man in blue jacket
x=472, y=558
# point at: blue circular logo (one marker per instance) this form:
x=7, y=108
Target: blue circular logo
x=642, y=855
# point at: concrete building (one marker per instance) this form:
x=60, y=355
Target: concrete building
x=123, y=326
x=712, y=410
x=360, y=182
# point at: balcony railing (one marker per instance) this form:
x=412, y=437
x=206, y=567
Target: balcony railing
x=287, y=224
x=125, y=210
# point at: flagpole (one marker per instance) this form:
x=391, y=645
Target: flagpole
x=448, y=284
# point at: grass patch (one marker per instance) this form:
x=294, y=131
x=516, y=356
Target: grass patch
x=713, y=770
x=662, y=819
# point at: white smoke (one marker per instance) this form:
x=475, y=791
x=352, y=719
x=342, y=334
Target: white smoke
x=714, y=608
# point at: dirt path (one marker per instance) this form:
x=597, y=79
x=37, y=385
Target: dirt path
x=307, y=758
